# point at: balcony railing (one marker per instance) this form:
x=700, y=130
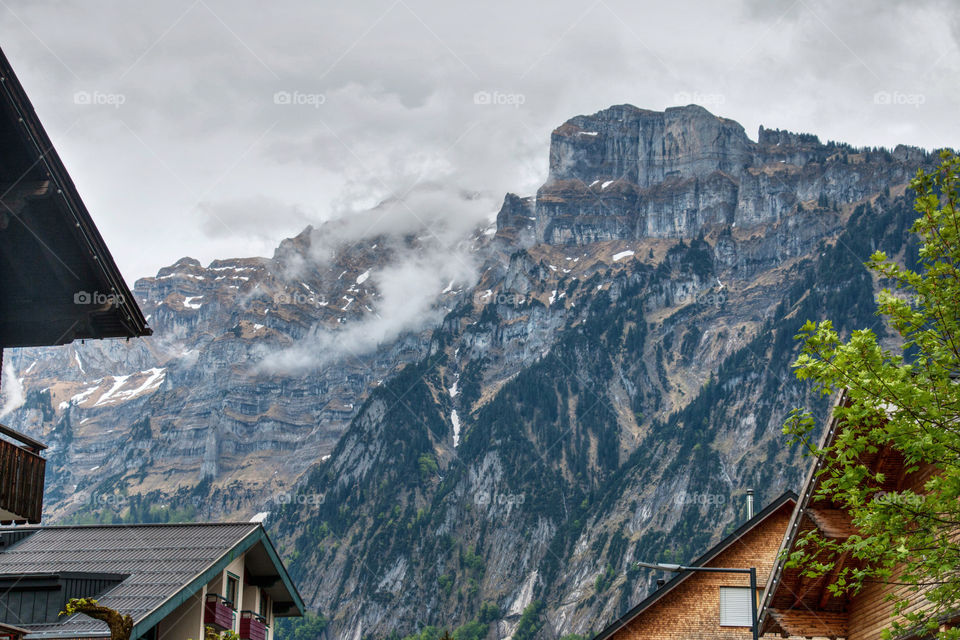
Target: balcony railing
x=218, y=611
x=21, y=478
x=252, y=626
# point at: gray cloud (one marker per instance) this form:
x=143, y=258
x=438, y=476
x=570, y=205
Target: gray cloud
x=13, y=397
x=254, y=216
x=393, y=86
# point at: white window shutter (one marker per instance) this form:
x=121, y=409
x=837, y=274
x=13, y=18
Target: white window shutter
x=735, y=607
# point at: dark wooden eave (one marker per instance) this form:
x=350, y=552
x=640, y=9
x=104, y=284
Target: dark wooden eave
x=22, y=439
x=802, y=606
x=799, y=623
x=58, y=281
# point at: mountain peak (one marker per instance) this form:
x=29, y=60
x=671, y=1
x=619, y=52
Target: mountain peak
x=645, y=147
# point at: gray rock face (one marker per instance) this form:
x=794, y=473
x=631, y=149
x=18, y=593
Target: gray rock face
x=627, y=173
x=515, y=221
x=534, y=443
x=647, y=147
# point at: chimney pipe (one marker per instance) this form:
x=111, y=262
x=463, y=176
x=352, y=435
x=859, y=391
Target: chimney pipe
x=660, y=582
x=749, y=503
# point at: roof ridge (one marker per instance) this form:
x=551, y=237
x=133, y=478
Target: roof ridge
x=129, y=525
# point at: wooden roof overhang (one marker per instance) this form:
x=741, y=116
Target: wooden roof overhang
x=796, y=605
x=58, y=281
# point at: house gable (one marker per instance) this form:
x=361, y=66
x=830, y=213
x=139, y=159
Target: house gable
x=688, y=606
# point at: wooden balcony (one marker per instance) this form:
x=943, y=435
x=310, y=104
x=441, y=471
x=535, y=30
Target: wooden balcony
x=252, y=626
x=218, y=612
x=21, y=478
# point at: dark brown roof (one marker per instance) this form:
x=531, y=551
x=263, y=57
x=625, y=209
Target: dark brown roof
x=161, y=566
x=58, y=281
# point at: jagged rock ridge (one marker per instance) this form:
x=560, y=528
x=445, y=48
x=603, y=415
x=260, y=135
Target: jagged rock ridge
x=626, y=343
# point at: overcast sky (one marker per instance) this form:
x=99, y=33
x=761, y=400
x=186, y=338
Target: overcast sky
x=216, y=128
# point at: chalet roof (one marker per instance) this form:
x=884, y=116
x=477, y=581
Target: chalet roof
x=706, y=558
x=161, y=565
x=804, y=606
x=58, y=281
x=774, y=582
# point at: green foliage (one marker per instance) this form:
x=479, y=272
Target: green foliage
x=427, y=464
x=427, y=633
x=445, y=582
x=473, y=561
x=120, y=624
x=531, y=621
x=309, y=627
x=211, y=633
x=473, y=630
x=604, y=579
x=905, y=399
x=488, y=612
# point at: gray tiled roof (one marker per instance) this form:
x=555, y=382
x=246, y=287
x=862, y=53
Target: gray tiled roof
x=160, y=559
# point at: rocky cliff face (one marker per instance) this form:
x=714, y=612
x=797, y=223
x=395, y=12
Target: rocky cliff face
x=628, y=173
x=603, y=388
x=189, y=416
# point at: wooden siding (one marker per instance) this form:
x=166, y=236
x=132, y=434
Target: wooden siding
x=40, y=599
x=691, y=610
x=21, y=483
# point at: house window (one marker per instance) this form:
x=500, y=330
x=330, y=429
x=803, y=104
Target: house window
x=233, y=588
x=264, y=606
x=735, y=608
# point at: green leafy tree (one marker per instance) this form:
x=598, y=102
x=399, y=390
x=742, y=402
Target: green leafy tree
x=906, y=399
